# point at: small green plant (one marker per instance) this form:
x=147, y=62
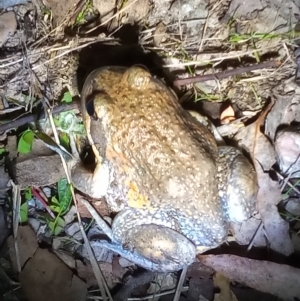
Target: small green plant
x=45, y=10
x=24, y=212
x=2, y=151
x=236, y=38
x=60, y=205
x=68, y=122
x=201, y=94
x=81, y=16
x=24, y=206
x=67, y=98
x=25, y=142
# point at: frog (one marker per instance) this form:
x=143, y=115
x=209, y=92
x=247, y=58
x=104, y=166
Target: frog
x=173, y=189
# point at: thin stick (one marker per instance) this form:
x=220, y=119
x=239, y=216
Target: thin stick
x=225, y=74
x=35, y=117
x=180, y=284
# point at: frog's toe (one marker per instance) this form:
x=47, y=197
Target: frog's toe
x=239, y=188
x=155, y=248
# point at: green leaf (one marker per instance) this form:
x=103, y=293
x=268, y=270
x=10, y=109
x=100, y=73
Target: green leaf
x=2, y=150
x=24, y=213
x=57, y=230
x=28, y=194
x=60, y=222
x=64, y=195
x=64, y=140
x=55, y=208
x=56, y=226
x=54, y=200
x=67, y=98
x=25, y=142
x=51, y=225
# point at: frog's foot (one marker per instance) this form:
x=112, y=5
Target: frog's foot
x=237, y=184
x=94, y=184
x=155, y=248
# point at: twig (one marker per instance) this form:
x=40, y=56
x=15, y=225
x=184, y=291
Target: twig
x=34, y=117
x=100, y=222
x=224, y=74
x=260, y=226
x=286, y=183
x=80, y=43
x=180, y=284
x=16, y=217
x=229, y=56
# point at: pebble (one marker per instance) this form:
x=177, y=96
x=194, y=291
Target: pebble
x=8, y=25
x=287, y=146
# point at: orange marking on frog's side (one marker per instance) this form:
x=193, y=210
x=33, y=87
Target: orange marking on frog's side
x=135, y=198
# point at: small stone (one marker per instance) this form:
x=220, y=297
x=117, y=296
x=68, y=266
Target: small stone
x=287, y=146
x=8, y=3
x=8, y=25
x=74, y=231
x=293, y=206
x=70, y=216
x=34, y=224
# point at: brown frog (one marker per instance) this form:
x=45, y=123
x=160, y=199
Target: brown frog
x=174, y=189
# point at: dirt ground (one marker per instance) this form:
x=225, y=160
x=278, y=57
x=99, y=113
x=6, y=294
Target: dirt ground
x=234, y=61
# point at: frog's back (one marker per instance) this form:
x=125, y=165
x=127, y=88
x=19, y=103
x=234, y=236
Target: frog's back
x=162, y=158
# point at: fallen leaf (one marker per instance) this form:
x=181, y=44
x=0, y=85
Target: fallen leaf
x=85, y=272
x=223, y=284
x=159, y=33
x=227, y=115
x=268, y=196
x=244, y=232
x=27, y=245
x=45, y=277
x=263, y=156
x=280, y=280
x=286, y=108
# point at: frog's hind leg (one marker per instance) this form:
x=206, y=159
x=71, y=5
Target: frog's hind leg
x=155, y=247
x=237, y=183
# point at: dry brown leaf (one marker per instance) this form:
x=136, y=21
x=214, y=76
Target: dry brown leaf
x=269, y=195
x=44, y=276
x=286, y=108
x=243, y=233
x=27, y=244
x=8, y=25
x=159, y=34
x=224, y=285
x=85, y=272
x=227, y=115
x=278, y=279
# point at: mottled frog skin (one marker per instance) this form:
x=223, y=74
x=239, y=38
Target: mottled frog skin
x=174, y=189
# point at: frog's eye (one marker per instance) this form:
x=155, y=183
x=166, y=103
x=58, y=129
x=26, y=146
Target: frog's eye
x=90, y=108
